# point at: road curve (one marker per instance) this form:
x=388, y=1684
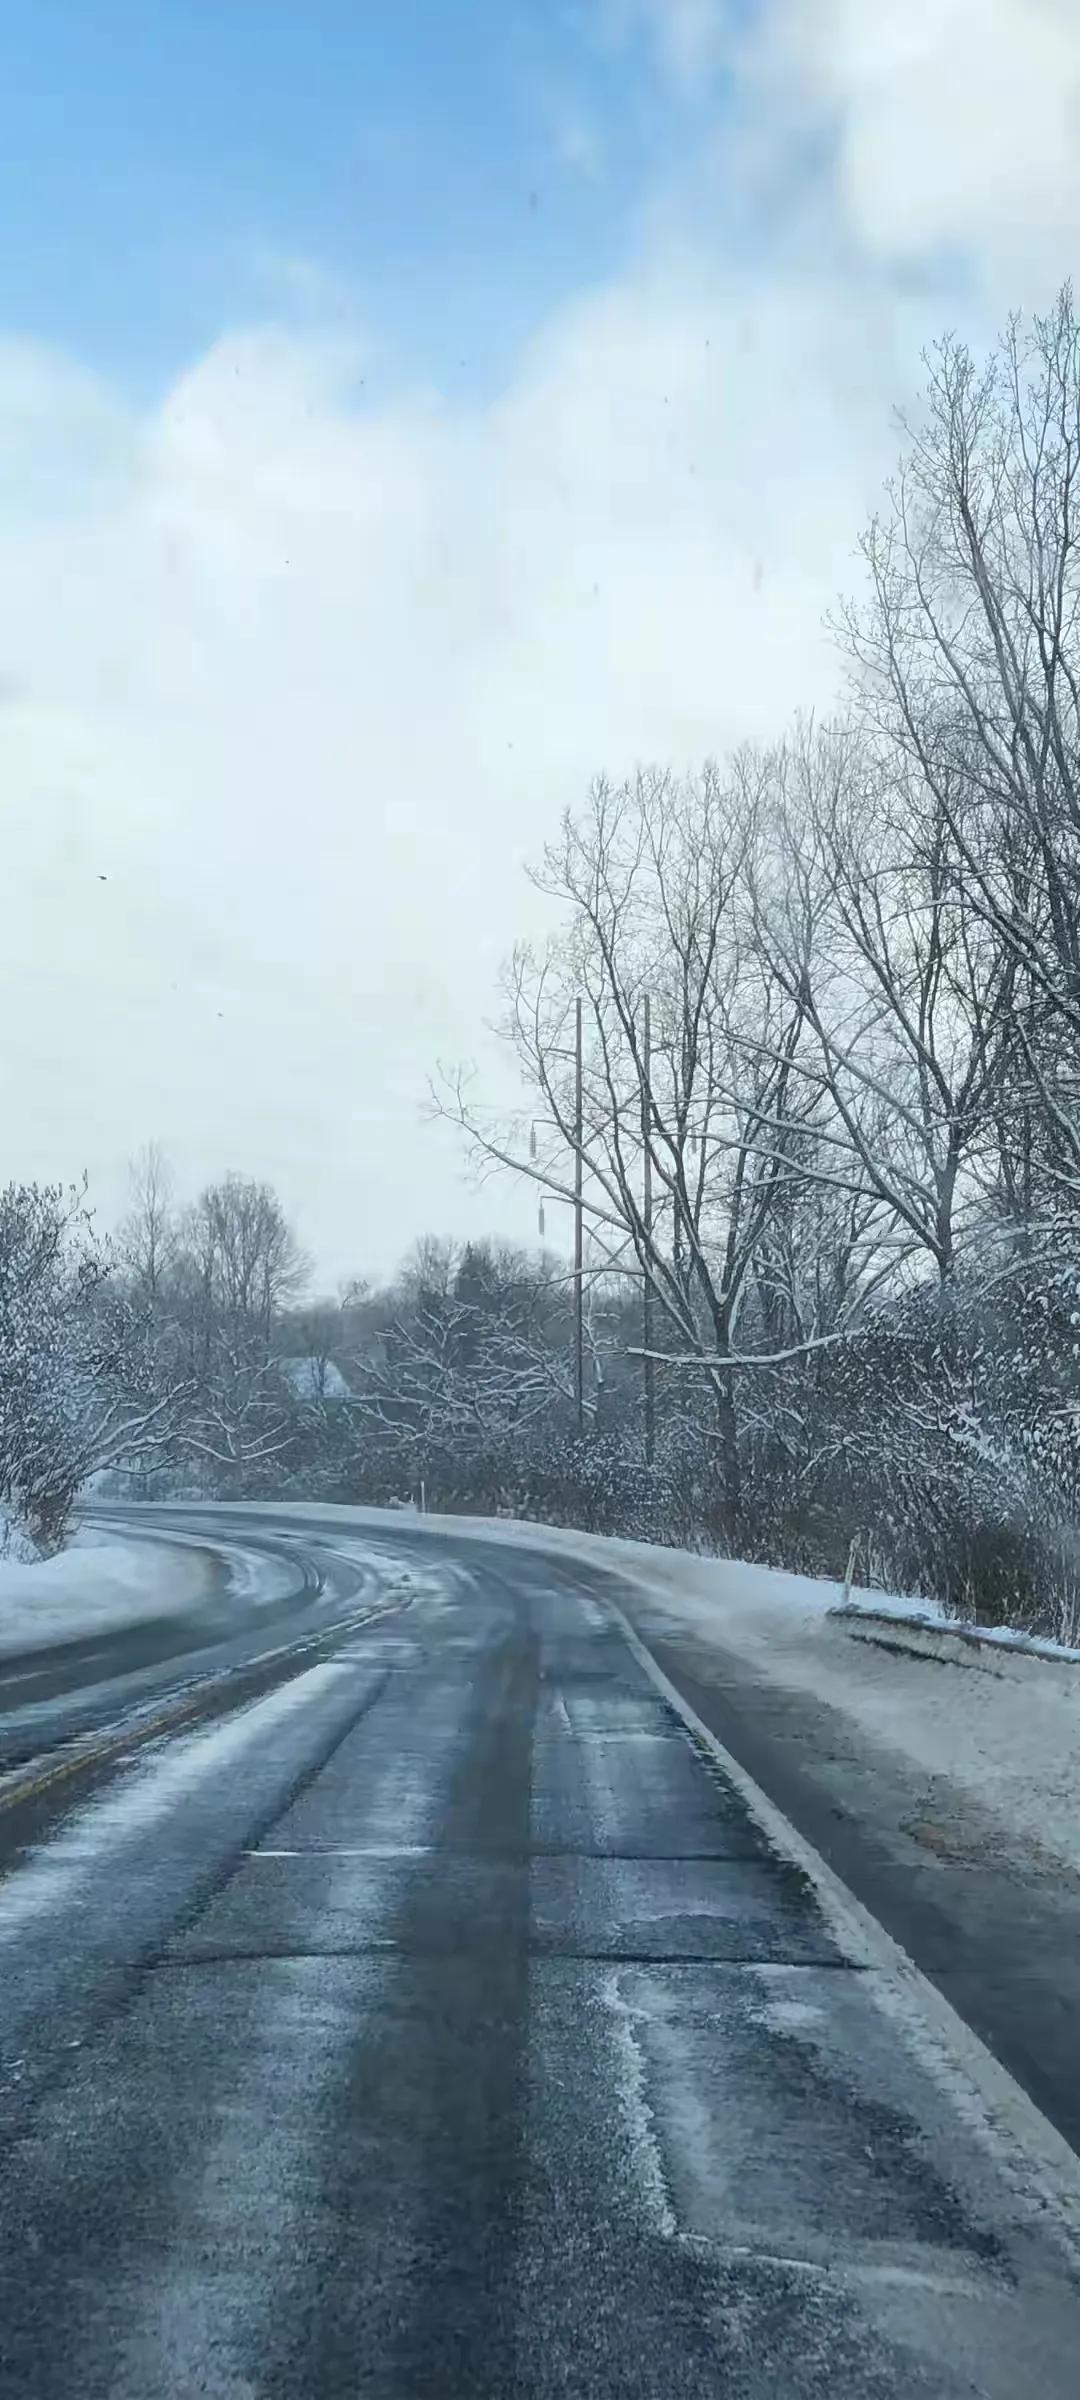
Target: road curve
x=410, y=2001
x=253, y=1590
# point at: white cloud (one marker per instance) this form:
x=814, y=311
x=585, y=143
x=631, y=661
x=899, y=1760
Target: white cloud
x=955, y=123
x=306, y=682
x=577, y=139
x=689, y=37
x=690, y=34
x=307, y=678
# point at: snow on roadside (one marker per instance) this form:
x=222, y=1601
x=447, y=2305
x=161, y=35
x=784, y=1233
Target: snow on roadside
x=1011, y=1746
x=94, y=1586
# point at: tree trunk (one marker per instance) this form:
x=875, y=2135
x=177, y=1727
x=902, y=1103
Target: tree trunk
x=728, y=1427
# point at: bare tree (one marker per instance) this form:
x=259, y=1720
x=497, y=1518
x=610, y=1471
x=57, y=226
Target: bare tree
x=247, y=1250
x=147, y=1239
x=968, y=666
x=905, y=992
x=473, y=1352
x=652, y=880
x=236, y=1263
x=79, y=1391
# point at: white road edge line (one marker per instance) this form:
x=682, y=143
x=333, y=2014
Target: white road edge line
x=1030, y=2149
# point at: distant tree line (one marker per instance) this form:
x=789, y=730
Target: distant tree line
x=827, y=1132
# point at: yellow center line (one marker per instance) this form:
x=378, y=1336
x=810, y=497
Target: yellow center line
x=132, y=1736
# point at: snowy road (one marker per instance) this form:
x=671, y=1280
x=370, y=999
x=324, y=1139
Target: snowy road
x=423, y=2009
x=196, y=1606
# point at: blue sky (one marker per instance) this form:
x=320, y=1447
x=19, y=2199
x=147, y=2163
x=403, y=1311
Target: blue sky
x=460, y=167
x=295, y=679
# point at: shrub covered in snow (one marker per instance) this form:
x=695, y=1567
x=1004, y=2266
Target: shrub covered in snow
x=77, y=1388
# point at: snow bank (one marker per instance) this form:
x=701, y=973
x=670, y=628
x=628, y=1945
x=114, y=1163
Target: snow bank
x=95, y=1586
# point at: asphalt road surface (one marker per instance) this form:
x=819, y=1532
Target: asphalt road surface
x=399, y=1996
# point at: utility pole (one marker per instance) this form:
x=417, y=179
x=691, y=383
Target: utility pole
x=646, y=1218
x=579, y=1229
